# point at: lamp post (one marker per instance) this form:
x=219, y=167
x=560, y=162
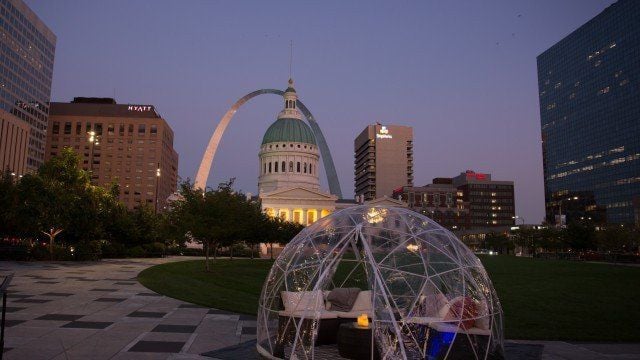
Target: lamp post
x=516, y=218
x=158, y=173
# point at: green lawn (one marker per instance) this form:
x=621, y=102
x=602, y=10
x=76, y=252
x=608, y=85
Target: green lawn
x=541, y=299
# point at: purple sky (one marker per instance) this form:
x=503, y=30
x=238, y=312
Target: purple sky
x=462, y=73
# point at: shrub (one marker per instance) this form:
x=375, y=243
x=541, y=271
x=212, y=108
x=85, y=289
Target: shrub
x=88, y=250
x=136, y=252
x=155, y=249
x=113, y=250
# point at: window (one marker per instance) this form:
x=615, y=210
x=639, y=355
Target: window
x=305, y=168
x=78, y=128
x=154, y=129
x=275, y=166
x=67, y=128
x=56, y=128
x=130, y=128
x=121, y=130
x=310, y=172
x=98, y=128
x=141, y=129
x=110, y=129
x=284, y=167
x=264, y=168
x=269, y=167
x=88, y=126
x=291, y=165
x=298, y=167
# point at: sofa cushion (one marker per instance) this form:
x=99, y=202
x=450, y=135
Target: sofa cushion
x=302, y=300
x=363, y=302
x=462, y=310
x=342, y=299
x=433, y=303
x=320, y=314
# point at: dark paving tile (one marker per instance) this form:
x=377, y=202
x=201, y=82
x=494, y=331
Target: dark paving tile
x=102, y=289
x=47, y=282
x=113, y=279
x=147, y=314
x=220, y=312
x=13, y=295
x=124, y=283
x=523, y=351
x=108, y=299
x=6, y=349
x=10, y=323
x=157, y=346
x=11, y=309
x=56, y=294
x=249, y=330
x=148, y=294
x=248, y=317
x=191, y=306
x=76, y=277
x=31, y=301
x=59, y=317
x=87, y=280
x=87, y=325
x=186, y=329
x=245, y=350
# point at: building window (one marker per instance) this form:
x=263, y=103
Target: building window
x=141, y=129
x=55, y=129
x=121, y=130
x=275, y=166
x=298, y=167
x=154, y=129
x=78, y=128
x=305, y=168
x=130, y=128
x=67, y=128
x=291, y=165
x=264, y=168
x=284, y=167
x=98, y=128
x=269, y=167
x=310, y=172
x=110, y=129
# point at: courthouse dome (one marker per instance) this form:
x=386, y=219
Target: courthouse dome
x=289, y=130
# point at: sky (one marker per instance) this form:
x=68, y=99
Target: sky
x=461, y=73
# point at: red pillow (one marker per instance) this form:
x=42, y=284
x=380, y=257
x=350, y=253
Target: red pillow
x=463, y=310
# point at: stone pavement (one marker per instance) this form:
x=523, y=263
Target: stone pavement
x=97, y=310
x=66, y=310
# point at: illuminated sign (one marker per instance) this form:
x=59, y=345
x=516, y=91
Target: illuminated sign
x=140, y=108
x=383, y=133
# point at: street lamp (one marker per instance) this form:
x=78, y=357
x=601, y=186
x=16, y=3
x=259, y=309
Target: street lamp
x=158, y=173
x=515, y=219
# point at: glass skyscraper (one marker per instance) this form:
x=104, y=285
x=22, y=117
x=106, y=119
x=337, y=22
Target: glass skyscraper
x=27, y=48
x=589, y=87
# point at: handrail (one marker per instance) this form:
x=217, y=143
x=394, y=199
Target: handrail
x=3, y=291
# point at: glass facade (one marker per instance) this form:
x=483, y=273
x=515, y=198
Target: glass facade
x=589, y=88
x=27, y=50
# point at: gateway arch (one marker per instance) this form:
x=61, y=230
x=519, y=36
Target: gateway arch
x=212, y=147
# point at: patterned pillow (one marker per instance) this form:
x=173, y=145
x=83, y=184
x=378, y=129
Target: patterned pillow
x=462, y=310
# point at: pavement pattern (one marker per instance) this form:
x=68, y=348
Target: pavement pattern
x=98, y=310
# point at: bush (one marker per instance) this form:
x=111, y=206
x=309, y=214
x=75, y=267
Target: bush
x=113, y=250
x=41, y=252
x=136, y=252
x=239, y=250
x=88, y=250
x=155, y=249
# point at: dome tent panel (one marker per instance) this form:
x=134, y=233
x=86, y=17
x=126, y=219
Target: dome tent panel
x=426, y=294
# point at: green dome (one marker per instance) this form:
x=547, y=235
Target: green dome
x=289, y=130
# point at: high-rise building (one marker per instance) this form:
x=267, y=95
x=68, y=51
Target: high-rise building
x=589, y=89
x=14, y=137
x=468, y=201
x=131, y=145
x=383, y=160
x=27, y=48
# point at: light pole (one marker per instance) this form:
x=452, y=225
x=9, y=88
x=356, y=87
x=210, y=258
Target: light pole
x=157, y=182
x=515, y=219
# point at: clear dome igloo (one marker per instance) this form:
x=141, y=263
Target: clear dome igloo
x=425, y=294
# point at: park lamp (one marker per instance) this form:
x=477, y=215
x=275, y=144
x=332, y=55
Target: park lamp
x=92, y=136
x=363, y=320
x=158, y=172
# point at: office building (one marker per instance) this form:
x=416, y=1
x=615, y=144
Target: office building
x=468, y=201
x=27, y=48
x=589, y=90
x=131, y=145
x=383, y=160
x=14, y=134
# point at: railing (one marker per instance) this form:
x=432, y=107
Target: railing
x=3, y=292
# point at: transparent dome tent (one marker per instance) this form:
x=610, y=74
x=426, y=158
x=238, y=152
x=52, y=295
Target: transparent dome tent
x=423, y=292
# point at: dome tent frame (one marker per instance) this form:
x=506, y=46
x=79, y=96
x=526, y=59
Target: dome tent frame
x=407, y=263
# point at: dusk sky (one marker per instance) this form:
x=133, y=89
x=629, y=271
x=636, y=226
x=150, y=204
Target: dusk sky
x=461, y=73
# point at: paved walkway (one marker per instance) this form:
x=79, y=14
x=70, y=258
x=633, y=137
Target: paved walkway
x=98, y=310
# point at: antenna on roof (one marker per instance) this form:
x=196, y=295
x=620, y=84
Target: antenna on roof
x=290, y=57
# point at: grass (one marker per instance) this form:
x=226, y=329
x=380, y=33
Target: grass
x=541, y=299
